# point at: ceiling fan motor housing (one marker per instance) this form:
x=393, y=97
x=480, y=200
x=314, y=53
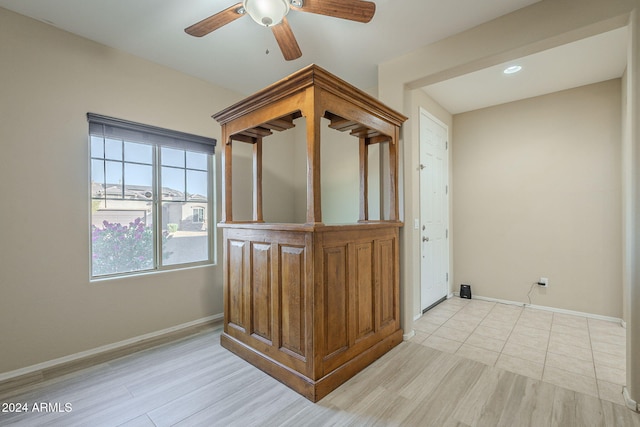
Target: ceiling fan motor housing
x=273, y=13
x=266, y=12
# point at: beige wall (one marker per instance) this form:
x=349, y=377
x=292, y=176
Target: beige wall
x=278, y=175
x=541, y=26
x=49, y=80
x=537, y=193
x=48, y=307
x=340, y=176
x=631, y=191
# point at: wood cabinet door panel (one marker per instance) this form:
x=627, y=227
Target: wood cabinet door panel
x=386, y=279
x=336, y=300
x=236, y=283
x=364, y=295
x=261, y=304
x=292, y=319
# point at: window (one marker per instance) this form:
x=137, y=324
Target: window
x=151, y=197
x=198, y=215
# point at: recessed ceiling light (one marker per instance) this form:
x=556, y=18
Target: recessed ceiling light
x=512, y=69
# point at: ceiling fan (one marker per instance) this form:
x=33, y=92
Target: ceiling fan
x=273, y=14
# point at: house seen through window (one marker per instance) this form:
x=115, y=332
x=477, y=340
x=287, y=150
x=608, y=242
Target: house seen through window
x=198, y=215
x=151, y=198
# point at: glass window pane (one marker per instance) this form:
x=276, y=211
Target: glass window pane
x=113, y=149
x=196, y=160
x=138, y=181
x=97, y=147
x=113, y=179
x=196, y=185
x=97, y=178
x=139, y=153
x=172, y=184
x=128, y=177
x=121, y=240
x=183, y=239
x=198, y=214
x=172, y=157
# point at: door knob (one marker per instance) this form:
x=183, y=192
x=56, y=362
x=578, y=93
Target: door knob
x=425, y=239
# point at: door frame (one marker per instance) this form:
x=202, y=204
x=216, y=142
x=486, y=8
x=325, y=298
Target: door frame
x=447, y=290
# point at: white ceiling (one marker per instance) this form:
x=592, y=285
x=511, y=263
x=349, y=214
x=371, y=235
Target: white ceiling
x=235, y=56
x=591, y=60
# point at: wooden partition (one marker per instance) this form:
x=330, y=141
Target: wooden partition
x=310, y=304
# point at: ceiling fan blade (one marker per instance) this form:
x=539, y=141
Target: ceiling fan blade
x=286, y=40
x=353, y=10
x=216, y=21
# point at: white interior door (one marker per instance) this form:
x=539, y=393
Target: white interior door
x=434, y=210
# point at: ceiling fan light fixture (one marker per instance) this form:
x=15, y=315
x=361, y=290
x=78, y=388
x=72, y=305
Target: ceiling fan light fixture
x=266, y=12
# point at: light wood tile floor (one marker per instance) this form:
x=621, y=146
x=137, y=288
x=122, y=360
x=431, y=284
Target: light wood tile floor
x=195, y=382
x=574, y=352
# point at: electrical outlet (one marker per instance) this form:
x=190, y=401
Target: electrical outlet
x=544, y=282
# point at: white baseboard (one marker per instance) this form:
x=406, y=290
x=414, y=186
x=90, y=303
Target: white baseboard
x=409, y=335
x=631, y=404
x=552, y=309
x=94, y=351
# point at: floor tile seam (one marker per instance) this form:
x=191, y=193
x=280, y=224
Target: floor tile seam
x=597, y=396
x=571, y=357
x=448, y=317
x=432, y=333
x=519, y=344
x=438, y=325
x=504, y=341
x=560, y=335
x=544, y=365
x=521, y=359
x=593, y=360
x=479, y=348
x=614, y=384
x=507, y=339
x=595, y=366
x=476, y=327
x=612, y=354
x=599, y=336
x=605, y=365
x=574, y=326
x=495, y=351
x=575, y=373
x=590, y=345
x=546, y=352
x=446, y=337
x=605, y=343
x=509, y=336
x=575, y=335
x=546, y=329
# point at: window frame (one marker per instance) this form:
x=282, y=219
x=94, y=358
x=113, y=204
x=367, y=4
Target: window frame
x=157, y=138
x=201, y=218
